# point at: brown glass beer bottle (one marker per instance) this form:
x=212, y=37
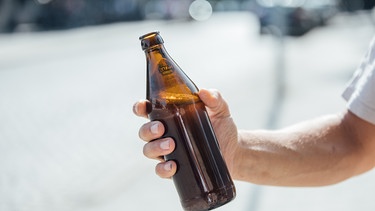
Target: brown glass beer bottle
x=202, y=179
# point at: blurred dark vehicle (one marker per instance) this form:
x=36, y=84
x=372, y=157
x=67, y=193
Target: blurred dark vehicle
x=62, y=14
x=167, y=9
x=290, y=17
x=18, y=15
x=293, y=18
x=355, y=5
x=323, y=9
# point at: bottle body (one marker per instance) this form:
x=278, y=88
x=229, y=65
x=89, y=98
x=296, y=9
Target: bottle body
x=202, y=179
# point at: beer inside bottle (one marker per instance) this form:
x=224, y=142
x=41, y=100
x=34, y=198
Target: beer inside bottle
x=202, y=179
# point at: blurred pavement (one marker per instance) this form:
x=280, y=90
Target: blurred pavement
x=69, y=140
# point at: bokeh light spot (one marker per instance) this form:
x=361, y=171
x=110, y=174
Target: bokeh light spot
x=200, y=10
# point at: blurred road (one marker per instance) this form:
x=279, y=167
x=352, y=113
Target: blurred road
x=69, y=140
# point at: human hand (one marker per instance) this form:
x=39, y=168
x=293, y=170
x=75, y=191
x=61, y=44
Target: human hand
x=222, y=123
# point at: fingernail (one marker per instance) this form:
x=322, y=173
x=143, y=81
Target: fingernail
x=165, y=144
x=155, y=128
x=168, y=166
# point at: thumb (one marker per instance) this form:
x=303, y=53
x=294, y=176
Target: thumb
x=215, y=104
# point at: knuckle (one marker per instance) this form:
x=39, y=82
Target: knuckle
x=139, y=108
x=166, y=169
x=151, y=130
x=160, y=171
x=145, y=151
x=149, y=150
x=144, y=133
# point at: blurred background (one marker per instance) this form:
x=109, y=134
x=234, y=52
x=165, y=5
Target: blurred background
x=70, y=72
x=38, y=15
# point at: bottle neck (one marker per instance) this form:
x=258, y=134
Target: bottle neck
x=157, y=52
x=157, y=47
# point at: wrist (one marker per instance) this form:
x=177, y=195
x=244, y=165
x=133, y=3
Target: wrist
x=240, y=156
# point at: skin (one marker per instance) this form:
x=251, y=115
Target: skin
x=318, y=152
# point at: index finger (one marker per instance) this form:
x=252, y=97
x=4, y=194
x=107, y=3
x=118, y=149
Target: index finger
x=139, y=108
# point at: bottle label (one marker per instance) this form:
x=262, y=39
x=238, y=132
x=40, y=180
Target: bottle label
x=165, y=67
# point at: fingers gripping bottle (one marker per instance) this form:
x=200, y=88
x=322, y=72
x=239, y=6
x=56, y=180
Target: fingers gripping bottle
x=202, y=179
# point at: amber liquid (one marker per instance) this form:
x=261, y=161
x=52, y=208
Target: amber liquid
x=202, y=179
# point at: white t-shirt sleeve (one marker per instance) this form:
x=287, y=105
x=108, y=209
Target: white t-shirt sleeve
x=360, y=93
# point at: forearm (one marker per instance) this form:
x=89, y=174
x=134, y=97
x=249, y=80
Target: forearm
x=314, y=153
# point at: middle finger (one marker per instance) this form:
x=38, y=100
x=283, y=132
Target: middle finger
x=151, y=130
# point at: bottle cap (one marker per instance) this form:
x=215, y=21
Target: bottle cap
x=151, y=39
